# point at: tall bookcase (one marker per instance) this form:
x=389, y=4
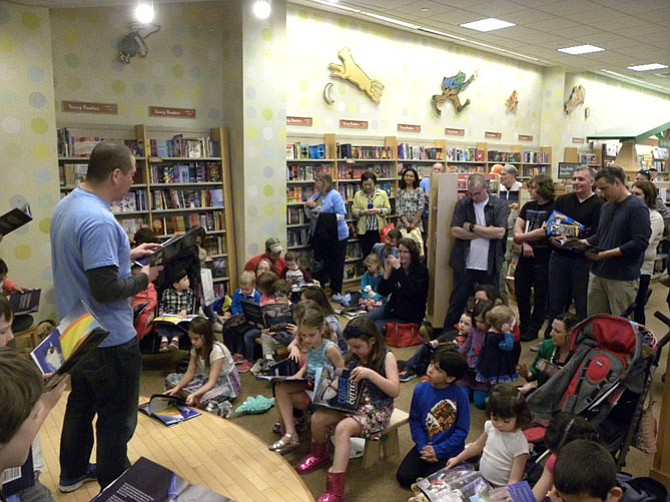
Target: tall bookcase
x=182, y=180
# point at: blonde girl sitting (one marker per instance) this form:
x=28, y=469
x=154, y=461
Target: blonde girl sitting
x=368, y=361
x=211, y=379
x=312, y=332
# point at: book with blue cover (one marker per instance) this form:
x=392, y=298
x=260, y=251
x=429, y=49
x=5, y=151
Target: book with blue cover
x=169, y=410
x=334, y=388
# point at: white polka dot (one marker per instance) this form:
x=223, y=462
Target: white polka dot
x=268, y=133
x=33, y=48
x=11, y=125
x=252, y=152
x=158, y=69
x=96, y=85
x=252, y=191
x=7, y=73
x=341, y=106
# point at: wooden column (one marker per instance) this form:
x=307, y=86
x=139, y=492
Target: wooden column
x=661, y=467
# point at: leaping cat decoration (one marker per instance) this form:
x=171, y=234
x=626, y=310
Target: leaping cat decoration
x=132, y=43
x=350, y=71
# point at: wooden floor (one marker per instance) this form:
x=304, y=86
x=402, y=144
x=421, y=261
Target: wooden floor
x=206, y=450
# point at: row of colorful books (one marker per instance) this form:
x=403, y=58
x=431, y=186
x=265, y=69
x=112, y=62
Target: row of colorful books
x=82, y=146
x=298, y=172
x=349, y=151
x=299, y=151
x=465, y=154
x=349, y=172
x=186, y=199
x=180, y=146
x=135, y=200
x=192, y=172
x=414, y=152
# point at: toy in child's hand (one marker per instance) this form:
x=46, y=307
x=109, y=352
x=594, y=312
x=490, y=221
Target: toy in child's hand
x=256, y=405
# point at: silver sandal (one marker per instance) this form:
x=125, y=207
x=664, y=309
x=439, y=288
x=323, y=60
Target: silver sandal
x=287, y=443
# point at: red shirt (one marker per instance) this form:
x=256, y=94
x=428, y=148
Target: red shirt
x=279, y=265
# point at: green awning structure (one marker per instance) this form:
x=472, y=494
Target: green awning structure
x=627, y=133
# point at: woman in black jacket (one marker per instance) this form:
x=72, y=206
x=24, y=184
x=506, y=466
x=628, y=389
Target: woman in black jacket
x=406, y=280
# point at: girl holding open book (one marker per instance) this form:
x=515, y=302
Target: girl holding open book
x=211, y=379
x=374, y=368
x=291, y=393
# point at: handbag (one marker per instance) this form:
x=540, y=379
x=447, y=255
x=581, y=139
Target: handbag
x=416, y=236
x=647, y=428
x=403, y=335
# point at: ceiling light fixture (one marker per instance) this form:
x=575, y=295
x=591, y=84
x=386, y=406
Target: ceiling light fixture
x=404, y=24
x=633, y=79
x=647, y=67
x=581, y=49
x=144, y=12
x=489, y=24
x=334, y=4
x=441, y=33
x=262, y=9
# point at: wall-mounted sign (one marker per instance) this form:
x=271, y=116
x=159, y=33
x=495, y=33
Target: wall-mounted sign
x=169, y=112
x=578, y=141
x=409, y=128
x=525, y=137
x=354, y=124
x=81, y=107
x=299, y=121
x=450, y=131
x=492, y=135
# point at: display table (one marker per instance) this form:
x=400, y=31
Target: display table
x=206, y=450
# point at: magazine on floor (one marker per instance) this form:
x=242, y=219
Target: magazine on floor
x=148, y=481
x=169, y=410
x=334, y=388
x=15, y=218
x=68, y=344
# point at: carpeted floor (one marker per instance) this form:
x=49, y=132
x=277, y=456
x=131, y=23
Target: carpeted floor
x=378, y=483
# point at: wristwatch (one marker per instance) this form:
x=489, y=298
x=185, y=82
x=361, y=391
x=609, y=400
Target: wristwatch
x=472, y=227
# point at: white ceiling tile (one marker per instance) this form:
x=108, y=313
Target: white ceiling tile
x=634, y=7
x=658, y=16
x=415, y=8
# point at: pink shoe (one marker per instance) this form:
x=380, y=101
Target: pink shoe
x=244, y=366
x=238, y=358
x=335, y=483
x=316, y=460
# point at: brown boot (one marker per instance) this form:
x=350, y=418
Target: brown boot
x=316, y=460
x=334, y=488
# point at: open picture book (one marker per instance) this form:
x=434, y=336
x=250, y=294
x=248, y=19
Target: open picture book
x=25, y=302
x=169, y=410
x=173, y=247
x=334, y=388
x=273, y=316
x=15, y=218
x=68, y=344
x=281, y=370
x=148, y=481
x=176, y=320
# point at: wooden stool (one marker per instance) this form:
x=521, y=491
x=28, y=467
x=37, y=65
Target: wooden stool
x=388, y=444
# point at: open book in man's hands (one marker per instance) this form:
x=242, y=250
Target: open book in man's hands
x=173, y=247
x=68, y=344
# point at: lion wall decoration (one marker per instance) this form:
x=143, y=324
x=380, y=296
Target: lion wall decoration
x=576, y=98
x=350, y=71
x=451, y=87
x=132, y=43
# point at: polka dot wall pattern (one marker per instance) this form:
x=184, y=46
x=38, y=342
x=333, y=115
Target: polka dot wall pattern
x=27, y=143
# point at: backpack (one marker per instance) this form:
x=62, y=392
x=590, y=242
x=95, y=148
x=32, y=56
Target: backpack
x=643, y=489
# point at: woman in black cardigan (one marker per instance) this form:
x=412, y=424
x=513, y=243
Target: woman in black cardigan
x=406, y=280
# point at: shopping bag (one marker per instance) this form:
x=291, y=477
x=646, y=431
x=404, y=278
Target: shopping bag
x=403, y=335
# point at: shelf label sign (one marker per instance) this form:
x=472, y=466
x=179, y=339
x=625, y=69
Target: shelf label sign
x=450, y=131
x=354, y=124
x=492, y=135
x=82, y=107
x=525, y=137
x=170, y=112
x=299, y=121
x=578, y=141
x=409, y=128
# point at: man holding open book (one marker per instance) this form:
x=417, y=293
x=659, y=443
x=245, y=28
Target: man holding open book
x=91, y=260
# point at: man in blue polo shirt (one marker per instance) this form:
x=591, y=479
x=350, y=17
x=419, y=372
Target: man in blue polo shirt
x=91, y=259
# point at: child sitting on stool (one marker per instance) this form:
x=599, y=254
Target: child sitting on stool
x=177, y=300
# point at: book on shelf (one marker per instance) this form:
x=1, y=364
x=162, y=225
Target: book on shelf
x=72, y=174
x=168, y=410
x=25, y=302
x=471, y=154
x=15, y=218
x=334, y=388
x=272, y=316
x=220, y=267
x=68, y=344
x=148, y=481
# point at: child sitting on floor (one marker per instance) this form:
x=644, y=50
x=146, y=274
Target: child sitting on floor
x=418, y=363
x=502, y=445
x=439, y=418
x=211, y=379
x=368, y=361
x=370, y=298
x=312, y=329
x=178, y=300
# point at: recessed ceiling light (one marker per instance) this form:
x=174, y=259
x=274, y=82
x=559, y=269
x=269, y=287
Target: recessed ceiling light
x=581, y=49
x=489, y=24
x=391, y=20
x=647, y=67
x=424, y=9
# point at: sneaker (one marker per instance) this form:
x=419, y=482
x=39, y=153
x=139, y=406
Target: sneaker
x=69, y=485
x=536, y=347
x=238, y=359
x=339, y=298
x=164, y=346
x=256, y=368
x=244, y=366
x=405, y=376
x=174, y=345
